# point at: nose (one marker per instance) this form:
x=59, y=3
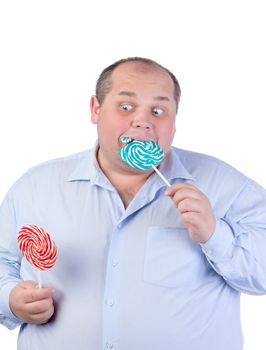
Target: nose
x=141, y=122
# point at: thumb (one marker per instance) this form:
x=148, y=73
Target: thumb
x=34, y=285
x=28, y=284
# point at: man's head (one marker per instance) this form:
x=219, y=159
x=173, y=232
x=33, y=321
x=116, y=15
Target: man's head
x=136, y=98
x=104, y=82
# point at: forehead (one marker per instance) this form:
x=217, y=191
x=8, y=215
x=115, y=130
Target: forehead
x=141, y=76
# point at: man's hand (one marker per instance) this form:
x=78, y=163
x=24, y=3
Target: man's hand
x=30, y=303
x=195, y=210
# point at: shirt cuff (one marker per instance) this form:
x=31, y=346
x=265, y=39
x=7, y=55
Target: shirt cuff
x=219, y=246
x=7, y=318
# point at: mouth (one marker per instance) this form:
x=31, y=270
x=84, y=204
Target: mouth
x=125, y=140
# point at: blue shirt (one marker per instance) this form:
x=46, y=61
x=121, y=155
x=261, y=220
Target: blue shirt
x=133, y=278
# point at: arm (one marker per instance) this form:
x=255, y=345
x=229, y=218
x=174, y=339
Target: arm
x=9, y=262
x=19, y=301
x=235, y=245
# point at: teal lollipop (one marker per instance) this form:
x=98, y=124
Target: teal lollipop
x=141, y=155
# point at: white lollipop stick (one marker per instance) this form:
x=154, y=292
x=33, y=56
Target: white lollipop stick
x=161, y=176
x=39, y=278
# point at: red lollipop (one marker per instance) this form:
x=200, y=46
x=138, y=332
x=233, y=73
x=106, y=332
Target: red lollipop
x=37, y=247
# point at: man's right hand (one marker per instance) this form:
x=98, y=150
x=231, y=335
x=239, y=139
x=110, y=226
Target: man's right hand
x=30, y=303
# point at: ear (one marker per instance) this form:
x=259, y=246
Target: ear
x=95, y=109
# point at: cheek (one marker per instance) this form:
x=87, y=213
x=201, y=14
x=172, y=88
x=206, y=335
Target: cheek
x=110, y=128
x=166, y=136
x=167, y=131
x=105, y=122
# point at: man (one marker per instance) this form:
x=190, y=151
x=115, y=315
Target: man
x=140, y=266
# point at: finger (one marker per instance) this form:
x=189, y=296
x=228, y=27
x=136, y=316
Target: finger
x=42, y=317
x=179, y=186
x=189, y=205
x=39, y=307
x=28, y=284
x=190, y=218
x=36, y=294
x=185, y=193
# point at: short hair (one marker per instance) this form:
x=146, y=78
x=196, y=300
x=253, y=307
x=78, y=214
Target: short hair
x=104, y=82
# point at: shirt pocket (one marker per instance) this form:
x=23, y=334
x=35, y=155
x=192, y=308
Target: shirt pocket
x=172, y=259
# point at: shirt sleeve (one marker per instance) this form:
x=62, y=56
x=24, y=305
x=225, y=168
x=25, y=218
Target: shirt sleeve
x=9, y=261
x=236, y=250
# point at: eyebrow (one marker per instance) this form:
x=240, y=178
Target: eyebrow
x=133, y=94
x=127, y=93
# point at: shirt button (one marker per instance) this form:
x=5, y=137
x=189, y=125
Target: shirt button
x=119, y=226
x=114, y=263
x=109, y=345
x=210, y=252
x=110, y=302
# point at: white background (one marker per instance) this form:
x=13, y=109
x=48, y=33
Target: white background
x=53, y=51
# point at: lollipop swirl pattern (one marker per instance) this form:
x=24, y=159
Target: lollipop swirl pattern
x=142, y=155
x=37, y=246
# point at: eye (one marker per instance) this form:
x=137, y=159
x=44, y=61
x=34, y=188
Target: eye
x=157, y=111
x=126, y=107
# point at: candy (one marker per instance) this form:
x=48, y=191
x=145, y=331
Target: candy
x=37, y=246
x=142, y=155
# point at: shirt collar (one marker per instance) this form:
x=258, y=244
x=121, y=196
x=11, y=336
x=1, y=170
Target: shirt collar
x=88, y=168
x=172, y=167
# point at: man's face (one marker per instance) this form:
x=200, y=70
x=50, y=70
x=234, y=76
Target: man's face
x=140, y=105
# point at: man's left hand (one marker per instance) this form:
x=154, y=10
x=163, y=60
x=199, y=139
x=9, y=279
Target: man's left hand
x=195, y=210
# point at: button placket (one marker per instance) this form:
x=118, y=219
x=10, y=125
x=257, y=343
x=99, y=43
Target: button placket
x=110, y=330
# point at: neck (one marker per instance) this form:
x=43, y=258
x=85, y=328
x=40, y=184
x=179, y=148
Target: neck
x=126, y=182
